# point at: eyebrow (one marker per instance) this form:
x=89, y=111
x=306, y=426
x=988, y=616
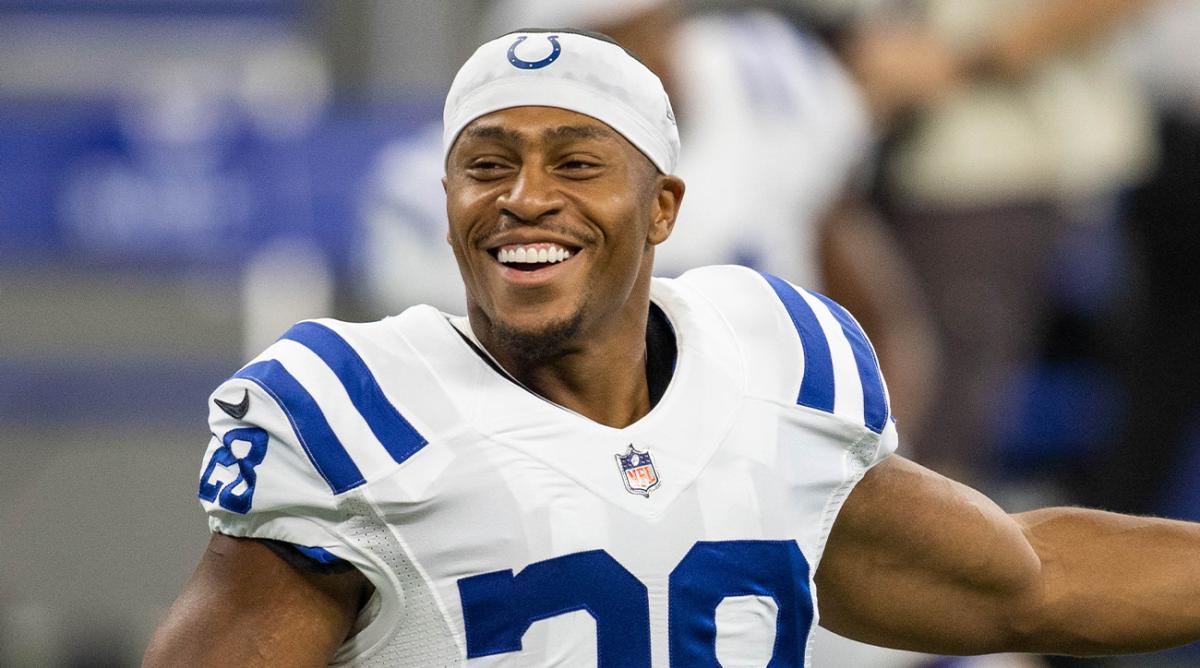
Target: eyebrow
x=492, y=132
x=556, y=134
x=568, y=132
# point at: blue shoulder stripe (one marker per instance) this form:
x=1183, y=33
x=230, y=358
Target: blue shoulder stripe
x=875, y=408
x=322, y=446
x=816, y=388
x=398, y=437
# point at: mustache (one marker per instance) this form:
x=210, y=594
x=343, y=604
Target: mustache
x=505, y=223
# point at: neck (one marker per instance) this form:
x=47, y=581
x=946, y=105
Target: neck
x=607, y=389
x=601, y=374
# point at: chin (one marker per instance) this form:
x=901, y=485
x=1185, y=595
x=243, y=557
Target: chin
x=538, y=342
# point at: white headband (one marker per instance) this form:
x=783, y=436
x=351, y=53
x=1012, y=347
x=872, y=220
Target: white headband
x=568, y=70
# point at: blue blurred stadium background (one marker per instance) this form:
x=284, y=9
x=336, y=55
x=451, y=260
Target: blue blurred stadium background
x=150, y=151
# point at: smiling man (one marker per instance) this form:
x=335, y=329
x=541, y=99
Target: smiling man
x=595, y=467
x=554, y=219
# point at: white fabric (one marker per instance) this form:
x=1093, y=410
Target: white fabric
x=1166, y=55
x=1077, y=126
x=774, y=130
x=585, y=75
x=508, y=479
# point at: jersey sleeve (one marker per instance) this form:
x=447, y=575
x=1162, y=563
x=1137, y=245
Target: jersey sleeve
x=805, y=350
x=273, y=467
x=839, y=372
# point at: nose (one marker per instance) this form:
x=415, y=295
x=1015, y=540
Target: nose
x=533, y=196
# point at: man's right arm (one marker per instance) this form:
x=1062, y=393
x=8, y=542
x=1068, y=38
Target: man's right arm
x=247, y=605
x=917, y=561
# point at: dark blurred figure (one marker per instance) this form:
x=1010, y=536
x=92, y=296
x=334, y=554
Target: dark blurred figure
x=1159, y=474
x=1013, y=133
x=1051, y=208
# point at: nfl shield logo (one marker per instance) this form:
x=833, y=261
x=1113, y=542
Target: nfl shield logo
x=637, y=471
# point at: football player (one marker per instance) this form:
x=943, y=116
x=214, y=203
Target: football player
x=594, y=467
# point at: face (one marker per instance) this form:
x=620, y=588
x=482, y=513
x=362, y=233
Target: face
x=553, y=219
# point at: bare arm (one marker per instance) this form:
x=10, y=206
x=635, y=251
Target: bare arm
x=245, y=605
x=920, y=562
x=1048, y=29
x=903, y=65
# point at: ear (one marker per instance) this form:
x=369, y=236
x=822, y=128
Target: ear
x=667, y=199
x=448, y=240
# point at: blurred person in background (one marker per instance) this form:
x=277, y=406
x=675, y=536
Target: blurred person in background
x=774, y=165
x=1014, y=129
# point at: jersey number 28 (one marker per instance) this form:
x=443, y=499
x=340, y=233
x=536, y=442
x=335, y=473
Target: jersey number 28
x=499, y=607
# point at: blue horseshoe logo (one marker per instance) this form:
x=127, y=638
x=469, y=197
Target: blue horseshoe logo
x=537, y=64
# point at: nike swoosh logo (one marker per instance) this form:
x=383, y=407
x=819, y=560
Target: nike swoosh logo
x=236, y=411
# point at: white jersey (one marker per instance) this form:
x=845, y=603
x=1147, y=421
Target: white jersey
x=501, y=529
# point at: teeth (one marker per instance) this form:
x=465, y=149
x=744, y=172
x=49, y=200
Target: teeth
x=531, y=255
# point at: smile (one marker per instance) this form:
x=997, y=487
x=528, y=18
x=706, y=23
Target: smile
x=531, y=256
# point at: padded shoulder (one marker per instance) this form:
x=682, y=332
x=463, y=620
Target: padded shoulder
x=800, y=347
x=360, y=358
x=321, y=412
x=271, y=447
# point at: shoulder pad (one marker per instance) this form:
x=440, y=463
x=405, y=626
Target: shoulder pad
x=800, y=346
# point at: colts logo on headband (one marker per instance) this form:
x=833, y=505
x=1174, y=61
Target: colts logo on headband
x=536, y=64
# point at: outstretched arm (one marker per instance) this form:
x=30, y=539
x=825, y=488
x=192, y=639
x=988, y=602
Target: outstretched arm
x=917, y=561
x=246, y=606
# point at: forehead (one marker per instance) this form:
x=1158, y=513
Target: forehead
x=545, y=125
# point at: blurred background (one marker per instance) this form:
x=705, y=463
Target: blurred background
x=1005, y=192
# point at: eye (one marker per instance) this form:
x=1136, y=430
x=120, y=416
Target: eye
x=580, y=167
x=487, y=169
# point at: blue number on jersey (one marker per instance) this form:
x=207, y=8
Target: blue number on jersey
x=499, y=607
x=712, y=572
x=224, y=494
